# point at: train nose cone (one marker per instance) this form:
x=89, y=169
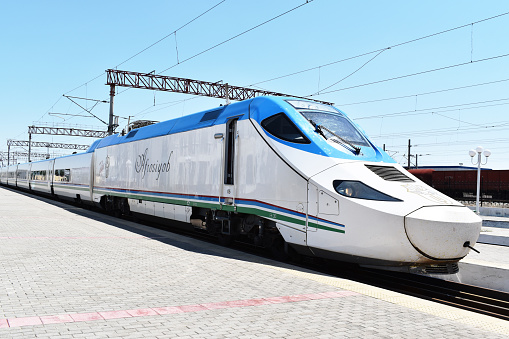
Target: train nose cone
x=439, y=232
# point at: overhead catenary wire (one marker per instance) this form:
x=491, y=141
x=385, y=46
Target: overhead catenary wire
x=170, y=34
x=230, y=39
x=225, y=41
x=352, y=73
x=244, y=32
x=421, y=94
x=151, y=45
x=432, y=109
x=238, y=35
x=133, y=56
x=498, y=125
x=381, y=49
x=138, y=53
x=444, y=131
x=457, y=142
x=414, y=74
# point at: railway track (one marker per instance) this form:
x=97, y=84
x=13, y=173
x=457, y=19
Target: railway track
x=476, y=299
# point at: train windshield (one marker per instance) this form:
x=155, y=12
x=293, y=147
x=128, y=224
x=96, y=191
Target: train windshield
x=334, y=125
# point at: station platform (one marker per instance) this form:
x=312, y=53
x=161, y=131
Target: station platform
x=494, y=236
x=67, y=272
x=490, y=268
x=494, y=231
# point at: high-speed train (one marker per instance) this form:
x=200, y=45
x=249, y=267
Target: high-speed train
x=283, y=173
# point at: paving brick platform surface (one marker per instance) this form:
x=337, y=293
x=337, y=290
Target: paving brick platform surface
x=66, y=272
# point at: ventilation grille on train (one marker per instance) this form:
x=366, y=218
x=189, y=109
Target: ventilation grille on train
x=451, y=268
x=212, y=115
x=389, y=173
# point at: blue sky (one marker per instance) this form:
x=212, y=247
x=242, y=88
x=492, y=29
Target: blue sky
x=53, y=48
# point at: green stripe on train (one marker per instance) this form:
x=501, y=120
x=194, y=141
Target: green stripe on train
x=217, y=206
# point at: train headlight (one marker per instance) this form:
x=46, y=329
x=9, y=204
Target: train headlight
x=356, y=189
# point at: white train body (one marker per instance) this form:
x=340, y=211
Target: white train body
x=72, y=177
x=265, y=169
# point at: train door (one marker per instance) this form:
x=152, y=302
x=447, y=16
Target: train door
x=15, y=176
x=51, y=165
x=29, y=177
x=229, y=162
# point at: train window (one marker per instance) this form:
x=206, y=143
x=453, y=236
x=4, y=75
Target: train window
x=311, y=105
x=338, y=124
x=282, y=127
x=359, y=190
x=38, y=175
x=63, y=175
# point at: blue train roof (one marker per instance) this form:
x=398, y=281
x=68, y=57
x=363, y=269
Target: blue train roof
x=257, y=109
x=215, y=116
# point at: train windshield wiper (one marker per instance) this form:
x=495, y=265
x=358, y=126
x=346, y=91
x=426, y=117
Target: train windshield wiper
x=343, y=142
x=318, y=129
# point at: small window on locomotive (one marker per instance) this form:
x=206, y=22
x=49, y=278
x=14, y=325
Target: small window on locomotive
x=282, y=127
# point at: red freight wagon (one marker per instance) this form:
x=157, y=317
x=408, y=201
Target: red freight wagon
x=425, y=175
x=462, y=185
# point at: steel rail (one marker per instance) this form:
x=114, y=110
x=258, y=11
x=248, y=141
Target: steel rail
x=473, y=298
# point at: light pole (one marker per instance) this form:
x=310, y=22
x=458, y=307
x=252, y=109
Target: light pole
x=478, y=150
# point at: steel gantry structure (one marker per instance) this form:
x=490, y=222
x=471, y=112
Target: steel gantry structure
x=31, y=144
x=66, y=131
x=165, y=83
x=15, y=154
x=61, y=131
x=47, y=144
x=188, y=86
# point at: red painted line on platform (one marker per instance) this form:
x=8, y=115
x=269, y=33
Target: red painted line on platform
x=29, y=321
x=86, y=316
x=168, y=310
x=57, y=319
x=115, y=315
x=144, y=312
